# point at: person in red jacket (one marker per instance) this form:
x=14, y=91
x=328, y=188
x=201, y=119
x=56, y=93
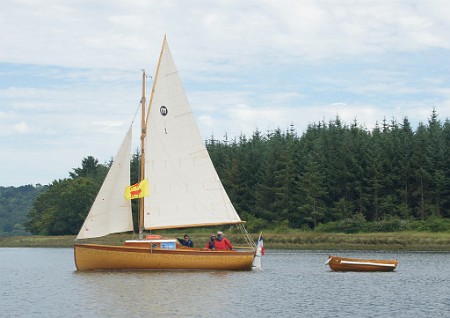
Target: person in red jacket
x=222, y=243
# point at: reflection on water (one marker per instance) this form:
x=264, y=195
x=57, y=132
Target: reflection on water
x=44, y=283
x=157, y=292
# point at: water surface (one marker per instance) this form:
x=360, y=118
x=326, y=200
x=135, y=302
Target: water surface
x=43, y=282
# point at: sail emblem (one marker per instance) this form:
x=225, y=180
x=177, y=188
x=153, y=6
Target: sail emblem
x=163, y=110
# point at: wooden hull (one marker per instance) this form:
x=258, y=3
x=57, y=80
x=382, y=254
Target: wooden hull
x=361, y=265
x=105, y=257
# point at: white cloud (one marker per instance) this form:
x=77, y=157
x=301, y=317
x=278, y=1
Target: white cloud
x=70, y=75
x=21, y=127
x=93, y=34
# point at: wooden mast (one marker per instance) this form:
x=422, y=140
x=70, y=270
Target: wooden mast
x=144, y=132
x=142, y=167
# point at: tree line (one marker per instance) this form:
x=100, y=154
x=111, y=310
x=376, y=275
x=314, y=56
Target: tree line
x=335, y=171
x=15, y=202
x=61, y=209
x=331, y=173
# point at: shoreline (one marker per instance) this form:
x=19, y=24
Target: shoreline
x=398, y=241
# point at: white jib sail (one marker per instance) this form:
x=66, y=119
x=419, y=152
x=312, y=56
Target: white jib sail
x=111, y=212
x=185, y=189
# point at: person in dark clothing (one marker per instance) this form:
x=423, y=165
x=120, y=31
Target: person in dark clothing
x=211, y=243
x=187, y=241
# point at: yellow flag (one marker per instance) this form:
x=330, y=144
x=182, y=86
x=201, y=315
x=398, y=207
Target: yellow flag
x=138, y=190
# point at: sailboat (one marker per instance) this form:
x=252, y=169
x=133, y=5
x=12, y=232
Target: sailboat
x=184, y=191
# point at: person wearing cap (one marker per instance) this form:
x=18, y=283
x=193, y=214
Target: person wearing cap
x=222, y=243
x=187, y=241
x=211, y=243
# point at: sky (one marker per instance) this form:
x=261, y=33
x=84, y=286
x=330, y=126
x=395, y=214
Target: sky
x=70, y=70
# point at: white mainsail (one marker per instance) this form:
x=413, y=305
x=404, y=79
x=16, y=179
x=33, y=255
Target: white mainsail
x=185, y=189
x=111, y=212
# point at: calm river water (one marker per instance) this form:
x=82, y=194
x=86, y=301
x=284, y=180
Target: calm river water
x=43, y=282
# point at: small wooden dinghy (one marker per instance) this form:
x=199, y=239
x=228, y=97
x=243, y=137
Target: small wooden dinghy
x=337, y=263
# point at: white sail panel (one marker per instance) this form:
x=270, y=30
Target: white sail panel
x=185, y=189
x=111, y=212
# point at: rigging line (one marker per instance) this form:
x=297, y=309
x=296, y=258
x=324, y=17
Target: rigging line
x=247, y=236
x=146, y=88
x=132, y=122
x=135, y=113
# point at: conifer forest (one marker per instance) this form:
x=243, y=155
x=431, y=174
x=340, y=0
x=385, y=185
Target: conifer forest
x=335, y=171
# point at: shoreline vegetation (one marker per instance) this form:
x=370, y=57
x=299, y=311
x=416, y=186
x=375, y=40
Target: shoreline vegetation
x=392, y=241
